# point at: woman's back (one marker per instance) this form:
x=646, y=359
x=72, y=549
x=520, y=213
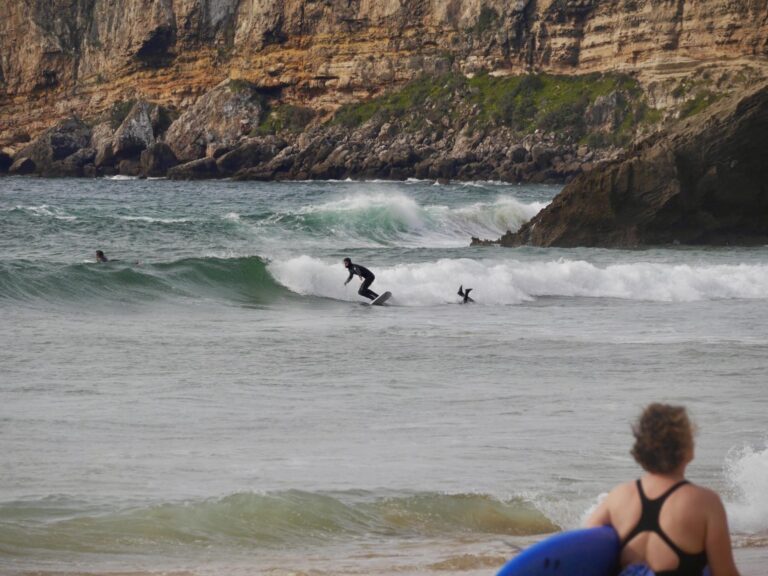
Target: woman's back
x=664, y=522
x=674, y=524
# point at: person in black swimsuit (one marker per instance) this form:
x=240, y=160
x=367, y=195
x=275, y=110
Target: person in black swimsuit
x=366, y=277
x=665, y=523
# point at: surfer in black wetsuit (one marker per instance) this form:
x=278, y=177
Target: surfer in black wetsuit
x=366, y=277
x=465, y=294
x=100, y=257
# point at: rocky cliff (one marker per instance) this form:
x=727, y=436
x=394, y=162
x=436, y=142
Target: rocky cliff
x=703, y=181
x=62, y=58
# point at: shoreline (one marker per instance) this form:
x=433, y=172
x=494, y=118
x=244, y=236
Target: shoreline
x=485, y=559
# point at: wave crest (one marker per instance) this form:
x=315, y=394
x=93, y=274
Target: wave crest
x=398, y=219
x=238, y=279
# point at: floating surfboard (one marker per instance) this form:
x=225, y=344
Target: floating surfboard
x=587, y=552
x=381, y=299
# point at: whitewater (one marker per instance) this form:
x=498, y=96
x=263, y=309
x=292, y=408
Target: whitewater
x=214, y=400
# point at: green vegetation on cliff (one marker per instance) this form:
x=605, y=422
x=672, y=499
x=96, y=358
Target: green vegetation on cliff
x=602, y=109
x=285, y=118
x=428, y=99
x=699, y=103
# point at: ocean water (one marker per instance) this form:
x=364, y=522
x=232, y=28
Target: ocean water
x=215, y=400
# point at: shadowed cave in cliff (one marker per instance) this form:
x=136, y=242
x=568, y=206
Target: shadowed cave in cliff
x=154, y=51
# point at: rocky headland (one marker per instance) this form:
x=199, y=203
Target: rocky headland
x=703, y=181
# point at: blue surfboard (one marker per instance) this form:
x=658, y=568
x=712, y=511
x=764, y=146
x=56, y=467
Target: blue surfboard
x=587, y=552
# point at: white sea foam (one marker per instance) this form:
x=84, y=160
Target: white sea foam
x=46, y=210
x=746, y=471
x=496, y=218
x=121, y=177
x=400, y=206
x=155, y=220
x=232, y=216
x=513, y=282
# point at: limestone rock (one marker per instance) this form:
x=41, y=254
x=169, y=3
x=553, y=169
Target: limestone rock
x=136, y=133
x=606, y=113
x=221, y=117
x=84, y=56
x=101, y=141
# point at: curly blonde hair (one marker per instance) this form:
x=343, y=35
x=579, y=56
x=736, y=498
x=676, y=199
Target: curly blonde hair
x=663, y=437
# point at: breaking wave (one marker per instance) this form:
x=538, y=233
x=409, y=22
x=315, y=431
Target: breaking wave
x=398, y=219
x=257, y=280
x=513, y=282
x=746, y=471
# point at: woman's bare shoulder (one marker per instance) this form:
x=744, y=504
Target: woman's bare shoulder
x=628, y=486
x=702, y=495
x=621, y=491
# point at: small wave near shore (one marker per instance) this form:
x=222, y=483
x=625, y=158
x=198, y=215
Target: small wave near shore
x=266, y=520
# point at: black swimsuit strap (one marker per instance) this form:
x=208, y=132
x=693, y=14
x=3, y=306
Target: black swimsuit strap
x=664, y=496
x=688, y=564
x=649, y=514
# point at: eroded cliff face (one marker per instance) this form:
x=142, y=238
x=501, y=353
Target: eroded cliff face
x=703, y=181
x=78, y=57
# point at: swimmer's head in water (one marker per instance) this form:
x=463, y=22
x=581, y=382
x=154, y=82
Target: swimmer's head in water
x=347, y=262
x=100, y=256
x=663, y=438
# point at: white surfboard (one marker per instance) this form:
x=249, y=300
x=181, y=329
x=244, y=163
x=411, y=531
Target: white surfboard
x=381, y=299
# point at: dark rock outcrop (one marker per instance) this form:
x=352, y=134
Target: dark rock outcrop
x=157, y=160
x=705, y=181
x=392, y=151
x=129, y=167
x=49, y=151
x=23, y=166
x=251, y=153
x=5, y=162
x=204, y=168
x=76, y=164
